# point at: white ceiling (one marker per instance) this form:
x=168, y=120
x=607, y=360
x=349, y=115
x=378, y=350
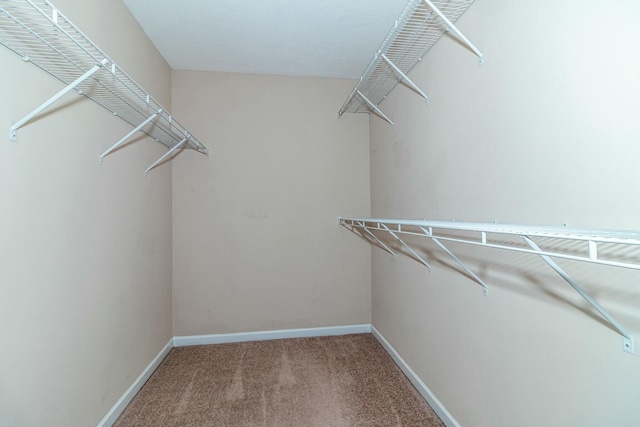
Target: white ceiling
x=325, y=38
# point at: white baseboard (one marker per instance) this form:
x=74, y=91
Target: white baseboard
x=128, y=395
x=270, y=335
x=431, y=399
x=183, y=341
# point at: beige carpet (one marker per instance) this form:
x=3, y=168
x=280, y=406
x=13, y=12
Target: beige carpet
x=329, y=381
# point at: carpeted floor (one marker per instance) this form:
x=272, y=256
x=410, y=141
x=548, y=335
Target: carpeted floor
x=338, y=381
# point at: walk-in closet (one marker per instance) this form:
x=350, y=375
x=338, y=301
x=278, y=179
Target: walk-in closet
x=340, y=213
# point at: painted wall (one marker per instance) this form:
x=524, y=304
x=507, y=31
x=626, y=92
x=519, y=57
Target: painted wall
x=85, y=250
x=256, y=241
x=545, y=133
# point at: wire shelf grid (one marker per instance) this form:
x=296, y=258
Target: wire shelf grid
x=612, y=248
x=416, y=31
x=42, y=35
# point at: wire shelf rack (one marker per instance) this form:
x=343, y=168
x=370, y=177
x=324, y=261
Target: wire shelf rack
x=420, y=25
x=40, y=34
x=613, y=248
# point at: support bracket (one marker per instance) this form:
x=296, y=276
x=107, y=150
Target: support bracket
x=374, y=107
x=418, y=28
x=352, y=229
x=377, y=240
x=462, y=264
x=456, y=30
x=467, y=233
x=165, y=155
x=13, y=130
x=628, y=345
x=405, y=77
x=627, y=342
x=129, y=135
x=349, y=98
x=415, y=254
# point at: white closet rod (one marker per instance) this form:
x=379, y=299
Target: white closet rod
x=481, y=234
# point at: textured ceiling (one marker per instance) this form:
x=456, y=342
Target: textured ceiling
x=330, y=38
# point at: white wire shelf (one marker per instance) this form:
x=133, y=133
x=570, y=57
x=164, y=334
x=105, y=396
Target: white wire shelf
x=43, y=36
x=420, y=25
x=613, y=248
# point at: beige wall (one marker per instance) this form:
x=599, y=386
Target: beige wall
x=256, y=241
x=85, y=252
x=546, y=133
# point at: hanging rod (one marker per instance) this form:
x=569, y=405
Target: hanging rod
x=420, y=25
x=40, y=34
x=492, y=236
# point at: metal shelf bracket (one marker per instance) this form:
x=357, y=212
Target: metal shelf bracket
x=127, y=136
x=485, y=287
x=627, y=343
x=41, y=35
x=405, y=77
x=485, y=235
x=450, y=25
x=420, y=25
x=167, y=154
x=369, y=236
x=414, y=253
x=13, y=131
x=374, y=107
x=379, y=241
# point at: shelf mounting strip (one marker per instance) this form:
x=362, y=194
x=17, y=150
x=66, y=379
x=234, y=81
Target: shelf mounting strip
x=497, y=236
x=43, y=36
x=420, y=25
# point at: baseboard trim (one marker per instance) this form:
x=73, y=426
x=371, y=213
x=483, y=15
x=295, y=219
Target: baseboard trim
x=128, y=395
x=270, y=335
x=431, y=399
x=183, y=341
